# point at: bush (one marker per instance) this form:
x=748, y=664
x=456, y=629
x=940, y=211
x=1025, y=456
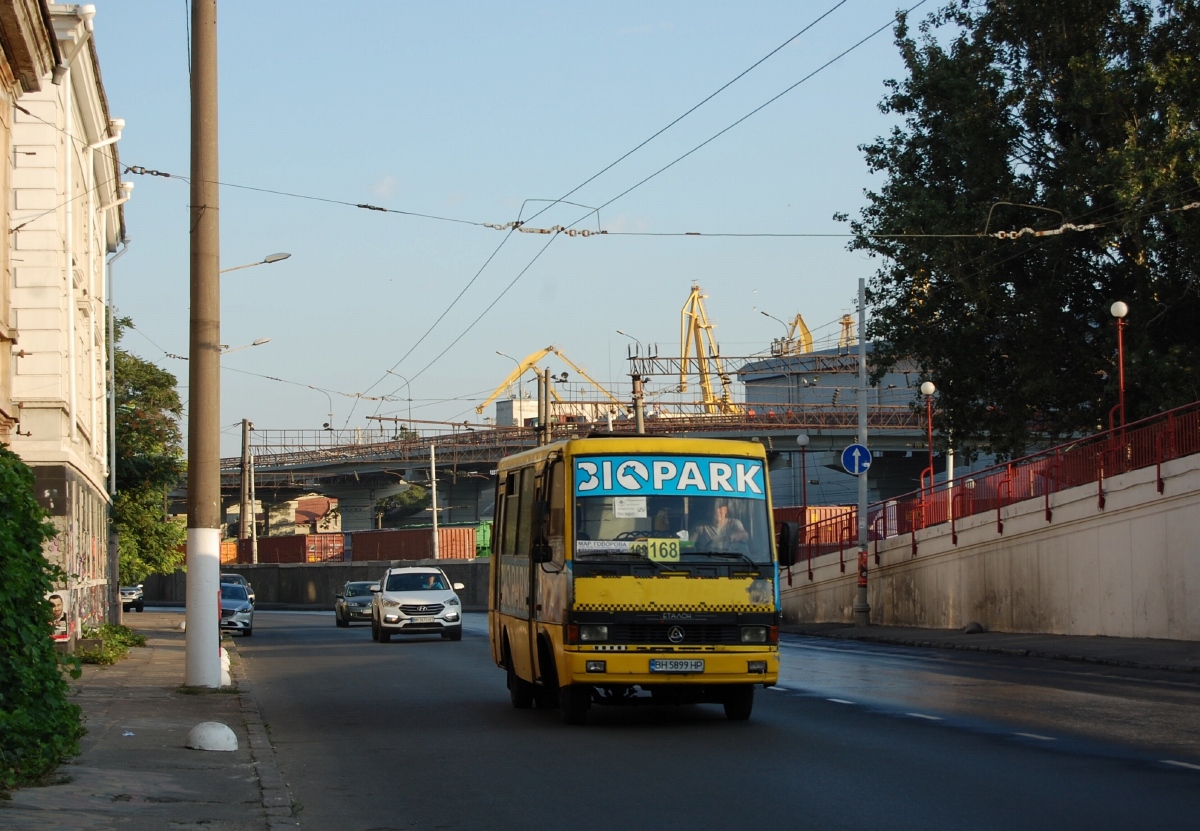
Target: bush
x=114, y=644
x=39, y=727
x=121, y=634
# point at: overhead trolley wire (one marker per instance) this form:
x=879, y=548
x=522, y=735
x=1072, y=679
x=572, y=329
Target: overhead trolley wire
x=708, y=98
x=557, y=231
x=765, y=104
x=517, y=225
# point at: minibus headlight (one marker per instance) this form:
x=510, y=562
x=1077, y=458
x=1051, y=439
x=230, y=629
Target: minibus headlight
x=756, y=667
x=754, y=634
x=596, y=666
x=593, y=632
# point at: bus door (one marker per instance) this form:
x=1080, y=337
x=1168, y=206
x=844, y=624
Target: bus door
x=513, y=598
x=527, y=533
x=548, y=580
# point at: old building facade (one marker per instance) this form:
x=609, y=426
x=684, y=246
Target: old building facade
x=64, y=218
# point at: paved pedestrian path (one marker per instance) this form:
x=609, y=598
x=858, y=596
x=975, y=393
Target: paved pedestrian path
x=1135, y=653
x=134, y=770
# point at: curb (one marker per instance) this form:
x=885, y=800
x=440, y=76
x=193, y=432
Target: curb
x=994, y=650
x=276, y=799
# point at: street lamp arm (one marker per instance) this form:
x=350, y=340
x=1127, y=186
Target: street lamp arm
x=225, y=350
x=267, y=260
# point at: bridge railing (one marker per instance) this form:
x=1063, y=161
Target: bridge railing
x=1146, y=443
x=295, y=448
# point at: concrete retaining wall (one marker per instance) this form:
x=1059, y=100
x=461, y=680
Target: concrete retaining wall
x=1131, y=569
x=313, y=585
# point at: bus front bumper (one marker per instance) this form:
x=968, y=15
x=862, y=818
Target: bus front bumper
x=655, y=668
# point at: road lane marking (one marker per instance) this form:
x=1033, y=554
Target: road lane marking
x=922, y=715
x=1180, y=764
x=839, y=701
x=1036, y=736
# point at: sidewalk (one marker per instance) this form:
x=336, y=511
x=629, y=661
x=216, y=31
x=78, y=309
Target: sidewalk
x=134, y=771
x=1136, y=653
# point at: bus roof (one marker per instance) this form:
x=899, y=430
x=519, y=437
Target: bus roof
x=634, y=444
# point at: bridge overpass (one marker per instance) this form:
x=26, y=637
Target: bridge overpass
x=361, y=466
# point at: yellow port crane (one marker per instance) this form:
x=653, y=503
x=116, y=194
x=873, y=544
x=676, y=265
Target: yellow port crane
x=696, y=333
x=530, y=362
x=799, y=340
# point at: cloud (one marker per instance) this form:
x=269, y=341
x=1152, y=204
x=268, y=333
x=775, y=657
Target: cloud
x=386, y=187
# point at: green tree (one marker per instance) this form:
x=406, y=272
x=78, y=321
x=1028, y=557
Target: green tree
x=408, y=502
x=149, y=464
x=39, y=727
x=1076, y=121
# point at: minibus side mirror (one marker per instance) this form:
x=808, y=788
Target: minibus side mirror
x=541, y=553
x=788, y=543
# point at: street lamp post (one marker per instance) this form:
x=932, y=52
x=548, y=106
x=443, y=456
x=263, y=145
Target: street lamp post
x=632, y=338
x=520, y=378
x=203, y=665
x=407, y=394
x=928, y=389
x=1118, y=310
x=803, y=440
x=329, y=399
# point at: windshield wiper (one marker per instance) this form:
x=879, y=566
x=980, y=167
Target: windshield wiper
x=732, y=554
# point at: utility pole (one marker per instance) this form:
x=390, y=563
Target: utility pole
x=433, y=494
x=253, y=515
x=204, y=352
x=244, y=509
x=639, y=404
x=862, y=608
x=547, y=435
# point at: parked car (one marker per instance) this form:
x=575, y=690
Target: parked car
x=240, y=581
x=353, y=602
x=237, y=610
x=131, y=598
x=416, y=601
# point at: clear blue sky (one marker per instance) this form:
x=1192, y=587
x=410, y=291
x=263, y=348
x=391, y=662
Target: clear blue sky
x=467, y=110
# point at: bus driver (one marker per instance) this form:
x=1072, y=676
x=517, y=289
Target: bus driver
x=724, y=534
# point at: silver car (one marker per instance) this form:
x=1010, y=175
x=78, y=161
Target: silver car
x=354, y=602
x=132, y=598
x=237, y=610
x=417, y=600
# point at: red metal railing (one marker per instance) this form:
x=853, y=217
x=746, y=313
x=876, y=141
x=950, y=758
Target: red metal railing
x=1146, y=443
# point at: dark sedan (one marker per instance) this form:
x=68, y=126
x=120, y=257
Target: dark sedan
x=353, y=602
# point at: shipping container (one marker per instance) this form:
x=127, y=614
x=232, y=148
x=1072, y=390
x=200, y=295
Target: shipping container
x=297, y=548
x=483, y=539
x=825, y=523
x=325, y=548
x=413, y=544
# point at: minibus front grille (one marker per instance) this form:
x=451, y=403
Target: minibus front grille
x=685, y=635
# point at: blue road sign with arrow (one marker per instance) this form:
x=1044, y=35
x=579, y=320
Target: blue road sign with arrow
x=856, y=459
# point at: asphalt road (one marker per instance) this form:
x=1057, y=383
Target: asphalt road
x=418, y=734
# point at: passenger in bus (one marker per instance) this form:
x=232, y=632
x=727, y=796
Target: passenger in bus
x=724, y=533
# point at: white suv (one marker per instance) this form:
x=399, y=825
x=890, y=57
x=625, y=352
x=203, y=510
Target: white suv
x=416, y=601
